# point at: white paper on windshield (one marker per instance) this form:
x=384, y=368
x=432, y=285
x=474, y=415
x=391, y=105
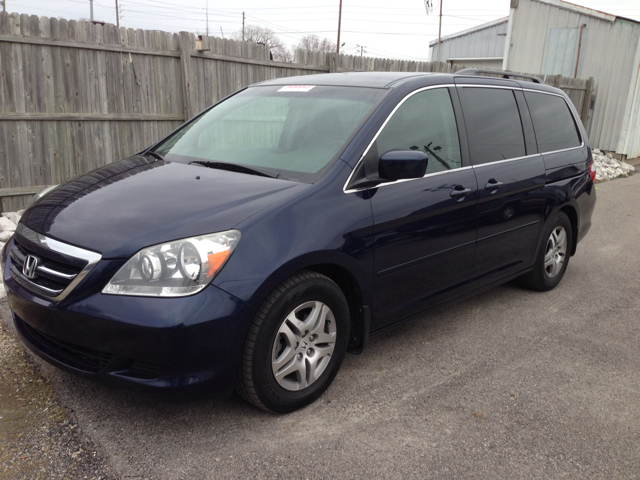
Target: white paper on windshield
x=296, y=88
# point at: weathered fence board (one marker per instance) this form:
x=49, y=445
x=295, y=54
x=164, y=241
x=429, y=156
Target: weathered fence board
x=77, y=95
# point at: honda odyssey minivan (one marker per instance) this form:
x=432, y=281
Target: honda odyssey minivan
x=278, y=230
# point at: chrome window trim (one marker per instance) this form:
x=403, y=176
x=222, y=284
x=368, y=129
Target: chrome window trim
x=507, y=160
x=462, y=85
x=92, y=258
x=542, y=91
x=395, y=182
x=504, y=87
x=564, y=149
x=375, y=137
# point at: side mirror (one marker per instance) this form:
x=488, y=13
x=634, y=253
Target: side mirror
x=402, y=164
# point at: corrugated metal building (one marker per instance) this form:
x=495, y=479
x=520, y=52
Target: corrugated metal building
x=480, y=47
x=557, y=37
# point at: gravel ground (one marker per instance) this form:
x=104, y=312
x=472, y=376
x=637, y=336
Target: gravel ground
x=38, y=437
x=508, y=384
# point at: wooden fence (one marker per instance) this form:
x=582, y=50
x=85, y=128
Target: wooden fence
x=77, y=95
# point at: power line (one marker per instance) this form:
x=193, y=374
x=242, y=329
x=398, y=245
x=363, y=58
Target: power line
x=172, y=16
x=368, y=9
x=315, y=19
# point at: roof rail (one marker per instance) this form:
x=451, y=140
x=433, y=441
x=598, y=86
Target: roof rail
x=503, y=74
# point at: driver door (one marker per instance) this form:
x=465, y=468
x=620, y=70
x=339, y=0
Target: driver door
x=424, y=229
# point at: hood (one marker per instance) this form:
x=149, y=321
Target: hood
x=123, y=207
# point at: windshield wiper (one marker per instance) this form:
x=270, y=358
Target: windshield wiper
x=154, y=154
x=234, y=167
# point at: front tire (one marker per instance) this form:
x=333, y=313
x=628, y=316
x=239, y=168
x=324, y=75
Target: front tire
x=295, y=344
x=553, y=256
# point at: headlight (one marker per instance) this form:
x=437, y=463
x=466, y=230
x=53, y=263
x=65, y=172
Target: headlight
x=174, y=269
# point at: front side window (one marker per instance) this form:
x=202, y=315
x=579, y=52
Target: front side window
x=552, y=121
x=493, y=122
x=426, y=122
x=292, y=132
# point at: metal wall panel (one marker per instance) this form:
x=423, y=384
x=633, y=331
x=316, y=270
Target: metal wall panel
x=630, y=136
x=483, y=42
x=562, y=51
x=608, y=54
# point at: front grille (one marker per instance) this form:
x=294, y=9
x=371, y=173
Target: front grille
x=48, y=267
x=50, y=276
x=80, y=358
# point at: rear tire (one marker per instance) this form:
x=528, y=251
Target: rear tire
x=553, y=256
x=295, y=344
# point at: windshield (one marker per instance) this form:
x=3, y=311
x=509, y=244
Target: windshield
x=291, y=131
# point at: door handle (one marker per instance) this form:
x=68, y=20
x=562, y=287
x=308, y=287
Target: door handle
x=493, y=185
x=459, y=192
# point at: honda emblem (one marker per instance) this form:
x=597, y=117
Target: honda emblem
x=30, y=266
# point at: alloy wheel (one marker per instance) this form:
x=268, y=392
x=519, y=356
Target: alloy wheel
x=555, y=252
x=303, y=346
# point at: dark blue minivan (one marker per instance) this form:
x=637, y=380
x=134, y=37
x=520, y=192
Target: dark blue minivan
x=276, y=231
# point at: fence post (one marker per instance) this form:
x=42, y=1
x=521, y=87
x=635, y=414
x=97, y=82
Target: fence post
x=586, y=103
x=334, y=62
x=187, y=76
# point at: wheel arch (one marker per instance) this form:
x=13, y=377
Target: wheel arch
x=359, y=313
x=571, y=212
x=352, y=276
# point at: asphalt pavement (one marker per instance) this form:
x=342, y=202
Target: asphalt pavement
x=508, y=384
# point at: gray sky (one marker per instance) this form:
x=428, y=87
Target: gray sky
x=397, y=28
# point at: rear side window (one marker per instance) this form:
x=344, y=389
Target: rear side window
x=552, y=121
x=493, y=123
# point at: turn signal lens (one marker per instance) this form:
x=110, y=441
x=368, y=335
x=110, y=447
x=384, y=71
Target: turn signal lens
x=215, y=261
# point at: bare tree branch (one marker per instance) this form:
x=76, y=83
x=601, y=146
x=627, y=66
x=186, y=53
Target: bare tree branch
x=266, y=36
x=316, y=44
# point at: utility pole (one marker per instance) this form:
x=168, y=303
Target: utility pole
x=4, y=5
x=117, y=16
x=362, y=50
x=207, y=16
x=440, y=31
x=243, y=26
x=339, y=21
x=91, y=10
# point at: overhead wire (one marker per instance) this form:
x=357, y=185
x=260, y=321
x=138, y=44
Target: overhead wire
x=351, y=14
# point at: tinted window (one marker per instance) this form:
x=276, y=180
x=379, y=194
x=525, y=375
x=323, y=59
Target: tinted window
x=425, y=121
x=552, y=121
x=493, y=123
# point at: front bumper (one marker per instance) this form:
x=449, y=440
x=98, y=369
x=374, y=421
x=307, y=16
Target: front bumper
x=142, y=342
